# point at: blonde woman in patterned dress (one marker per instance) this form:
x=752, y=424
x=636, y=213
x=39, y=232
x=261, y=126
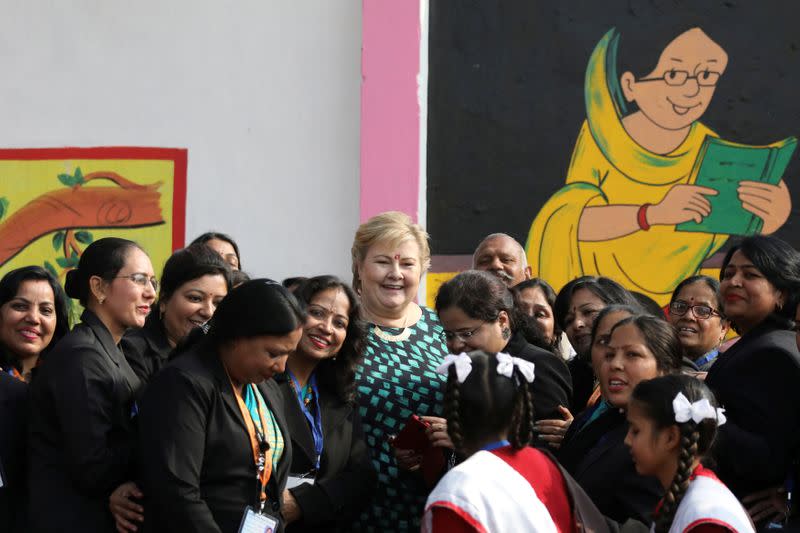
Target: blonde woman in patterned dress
x=398, y=375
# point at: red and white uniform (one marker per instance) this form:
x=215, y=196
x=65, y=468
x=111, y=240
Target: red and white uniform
x=709, y=506
x=501, y=490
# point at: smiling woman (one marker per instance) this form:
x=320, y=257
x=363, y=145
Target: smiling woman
x=33, y=318
x=83, y=397
x=398, y=376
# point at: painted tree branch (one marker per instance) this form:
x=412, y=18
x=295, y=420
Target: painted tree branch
x=127, y=206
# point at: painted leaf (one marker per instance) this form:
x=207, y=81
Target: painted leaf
x=3, y=207
x=78, y=179
x=50, y=268
x=66, y=179
x=63, y=262
x=84, y=237
x=58, y=240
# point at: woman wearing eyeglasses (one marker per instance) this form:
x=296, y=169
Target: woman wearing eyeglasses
x=477, y=312
x=695, y=312
x=83, y=398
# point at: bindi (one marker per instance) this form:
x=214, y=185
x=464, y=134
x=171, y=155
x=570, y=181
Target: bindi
x=397, y=257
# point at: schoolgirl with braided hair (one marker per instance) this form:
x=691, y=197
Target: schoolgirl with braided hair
x=673, y=421
x=503, y=484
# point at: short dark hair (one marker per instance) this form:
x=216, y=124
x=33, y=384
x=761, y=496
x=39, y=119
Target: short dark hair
x=613, y=308
x=339, y=375
x=104, y=258
x=483, y=296
x=190, y=263
x=780, y=265
x=9, y=287
x=661, y=339
x=211, y=235
x=608, y=290
x=549, y=296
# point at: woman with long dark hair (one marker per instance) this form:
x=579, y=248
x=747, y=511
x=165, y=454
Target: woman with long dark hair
x=756, y=379
x=331, y=477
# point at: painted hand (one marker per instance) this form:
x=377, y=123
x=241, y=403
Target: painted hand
x=681, y=204
x=770, y=202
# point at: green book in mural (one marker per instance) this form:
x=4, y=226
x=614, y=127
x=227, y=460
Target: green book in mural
x=721, y=165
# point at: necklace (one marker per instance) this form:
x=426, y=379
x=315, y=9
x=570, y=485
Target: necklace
x=404, y=334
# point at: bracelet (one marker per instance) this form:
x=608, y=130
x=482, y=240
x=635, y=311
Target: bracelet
x=641, y=217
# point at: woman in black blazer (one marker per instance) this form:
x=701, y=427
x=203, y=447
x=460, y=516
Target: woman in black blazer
x=193, y=282
x=81, y=428
x=756, y=379
x=213, y=439
x=331, y=476
x=639, y=347
x=477, y=312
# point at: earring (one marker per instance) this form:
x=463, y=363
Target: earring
x=101, y=300
x=506, y=333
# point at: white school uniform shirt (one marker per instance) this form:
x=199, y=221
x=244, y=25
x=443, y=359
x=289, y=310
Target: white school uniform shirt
x=490, y=494
x=709, y=501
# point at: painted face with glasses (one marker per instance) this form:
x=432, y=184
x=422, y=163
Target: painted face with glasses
x=463, y=333
x=678, y=90
x=694, y=312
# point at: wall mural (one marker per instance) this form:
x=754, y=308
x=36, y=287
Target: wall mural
x=672, y=156
x=55, y=202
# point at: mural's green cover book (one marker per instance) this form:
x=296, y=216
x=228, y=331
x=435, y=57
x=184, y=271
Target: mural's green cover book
x=721, y=165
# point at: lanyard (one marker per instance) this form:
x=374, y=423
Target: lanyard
x=14, y=373
x=314, y=420
x=710, y=356
x=494, y=445
x=258, y=441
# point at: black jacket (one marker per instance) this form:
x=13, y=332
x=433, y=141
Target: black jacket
x=147, y=350
x=82, y=432
x=757, y=382
x=346, y=478
x=197, y=462
x=596, y=456
x=582, y=383
x=13, y=452
x=552, y=385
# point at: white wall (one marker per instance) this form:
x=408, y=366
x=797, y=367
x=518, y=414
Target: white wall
x=264, y=94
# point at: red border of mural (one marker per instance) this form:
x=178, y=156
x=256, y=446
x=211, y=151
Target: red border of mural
x=179, y=156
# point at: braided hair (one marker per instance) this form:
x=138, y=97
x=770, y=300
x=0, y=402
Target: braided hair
x=488, y=404
x=654, y=397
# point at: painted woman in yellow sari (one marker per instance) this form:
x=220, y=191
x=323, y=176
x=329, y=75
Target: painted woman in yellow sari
x=628, y=180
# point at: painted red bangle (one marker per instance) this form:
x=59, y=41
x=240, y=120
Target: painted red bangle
x=641, y=217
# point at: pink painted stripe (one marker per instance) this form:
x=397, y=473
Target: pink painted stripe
x=390, y=114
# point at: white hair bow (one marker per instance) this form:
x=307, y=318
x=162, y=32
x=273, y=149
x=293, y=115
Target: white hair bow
x=506, y=364
x=697, y=411
x=463, y=365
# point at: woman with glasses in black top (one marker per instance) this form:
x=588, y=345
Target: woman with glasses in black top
x=696, y=312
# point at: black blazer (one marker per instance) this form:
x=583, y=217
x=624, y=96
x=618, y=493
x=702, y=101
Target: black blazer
x=346, y=477
x=147, y=350
x=756, y=381
x=13, y=452
x=598, y=459
x=582, y=383
x=82, y=432
x=197, y=462
x=552, y=385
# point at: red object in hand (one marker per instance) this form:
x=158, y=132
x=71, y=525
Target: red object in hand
x=413, y=437
x=641, y=217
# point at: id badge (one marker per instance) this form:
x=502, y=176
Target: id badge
x=252, y=522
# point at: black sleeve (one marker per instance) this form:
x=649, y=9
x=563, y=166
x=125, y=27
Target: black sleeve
x=552, y=386
x=758, y=438
x=172, y=428
x=341, y=497
x=135, y=349
x=97, y=459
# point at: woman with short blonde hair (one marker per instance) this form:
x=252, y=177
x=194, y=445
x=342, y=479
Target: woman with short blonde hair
x=398, y=375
